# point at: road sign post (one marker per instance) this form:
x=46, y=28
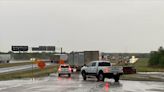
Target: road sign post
x=41, y=65
x=32, y=60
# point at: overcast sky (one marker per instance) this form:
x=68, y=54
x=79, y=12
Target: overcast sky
x=77, y=25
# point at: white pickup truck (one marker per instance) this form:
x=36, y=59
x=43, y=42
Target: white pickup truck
x=102, y=70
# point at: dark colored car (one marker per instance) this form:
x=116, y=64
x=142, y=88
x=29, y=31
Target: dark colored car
x=129, y=70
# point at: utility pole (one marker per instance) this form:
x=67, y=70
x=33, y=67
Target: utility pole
x=73, y=59
x=61, y=50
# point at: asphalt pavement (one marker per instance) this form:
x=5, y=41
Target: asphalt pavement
x=53, y=83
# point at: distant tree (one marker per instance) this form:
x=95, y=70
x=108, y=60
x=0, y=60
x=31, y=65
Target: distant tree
x=161, y=49
x=153, y=58
x=161, y=61
x=10, y=52
x=161, y=56
x=157, y=57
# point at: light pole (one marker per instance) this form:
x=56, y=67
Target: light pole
x=61, y=50
x=73, y=60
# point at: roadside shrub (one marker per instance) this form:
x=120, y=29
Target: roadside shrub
x=161, y=61
x=157, y=57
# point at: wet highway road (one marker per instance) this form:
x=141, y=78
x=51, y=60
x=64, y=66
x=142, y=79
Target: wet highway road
x=76, y=84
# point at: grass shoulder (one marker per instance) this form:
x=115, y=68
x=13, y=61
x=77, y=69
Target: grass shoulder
x=14, y=64
x=29, y=73
x=138, y=77
x=142, y=65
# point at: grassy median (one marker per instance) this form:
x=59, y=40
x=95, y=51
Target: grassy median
x=138, y=77
x=29, y=73
x=14, y=64
x=142, y=66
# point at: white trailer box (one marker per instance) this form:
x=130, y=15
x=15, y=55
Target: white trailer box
x=5, y=58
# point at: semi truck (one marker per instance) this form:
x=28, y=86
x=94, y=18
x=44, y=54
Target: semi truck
x=78, y=59
x=5, y=58
x=56, y=58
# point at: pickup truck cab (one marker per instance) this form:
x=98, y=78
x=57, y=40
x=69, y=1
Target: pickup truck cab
x=102, y=70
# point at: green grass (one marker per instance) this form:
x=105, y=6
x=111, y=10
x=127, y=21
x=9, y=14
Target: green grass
x=136, y=77
x=142, y=66
x=14, y=64
x=29, y=74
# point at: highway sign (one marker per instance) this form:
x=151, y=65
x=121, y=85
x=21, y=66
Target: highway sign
x=35, y=49
x=19, y=48
x=44, y=48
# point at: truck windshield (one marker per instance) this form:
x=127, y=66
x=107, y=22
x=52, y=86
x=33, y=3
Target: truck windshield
x=104, y=64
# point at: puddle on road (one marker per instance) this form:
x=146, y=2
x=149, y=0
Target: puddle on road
x=129, y=86
x=17, y=83
x=107, y=87
x=49, y=84
x=143, y=86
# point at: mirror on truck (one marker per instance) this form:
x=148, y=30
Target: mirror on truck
x=85, y=65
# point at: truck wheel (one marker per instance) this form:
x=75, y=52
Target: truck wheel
x=69, y=75
x=101, y=77
x=7, y=61
x=51, y=61
x=84, y=75
x=116, y=78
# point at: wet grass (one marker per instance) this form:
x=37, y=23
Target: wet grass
x=135, y=77
x=29, y=74
x=142, y=66
x=14, y=64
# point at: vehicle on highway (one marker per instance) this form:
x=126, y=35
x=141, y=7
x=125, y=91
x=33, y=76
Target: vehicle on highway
x=129, y=70
x=5, y=58
x=64, y=69
x=78, y=59
x=102, y=70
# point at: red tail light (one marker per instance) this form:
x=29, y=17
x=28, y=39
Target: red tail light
x=70, y=69
x=59, y=69
x=106, y=70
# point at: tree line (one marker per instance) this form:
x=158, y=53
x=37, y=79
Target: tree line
x=157, y=57
x=27, y=56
